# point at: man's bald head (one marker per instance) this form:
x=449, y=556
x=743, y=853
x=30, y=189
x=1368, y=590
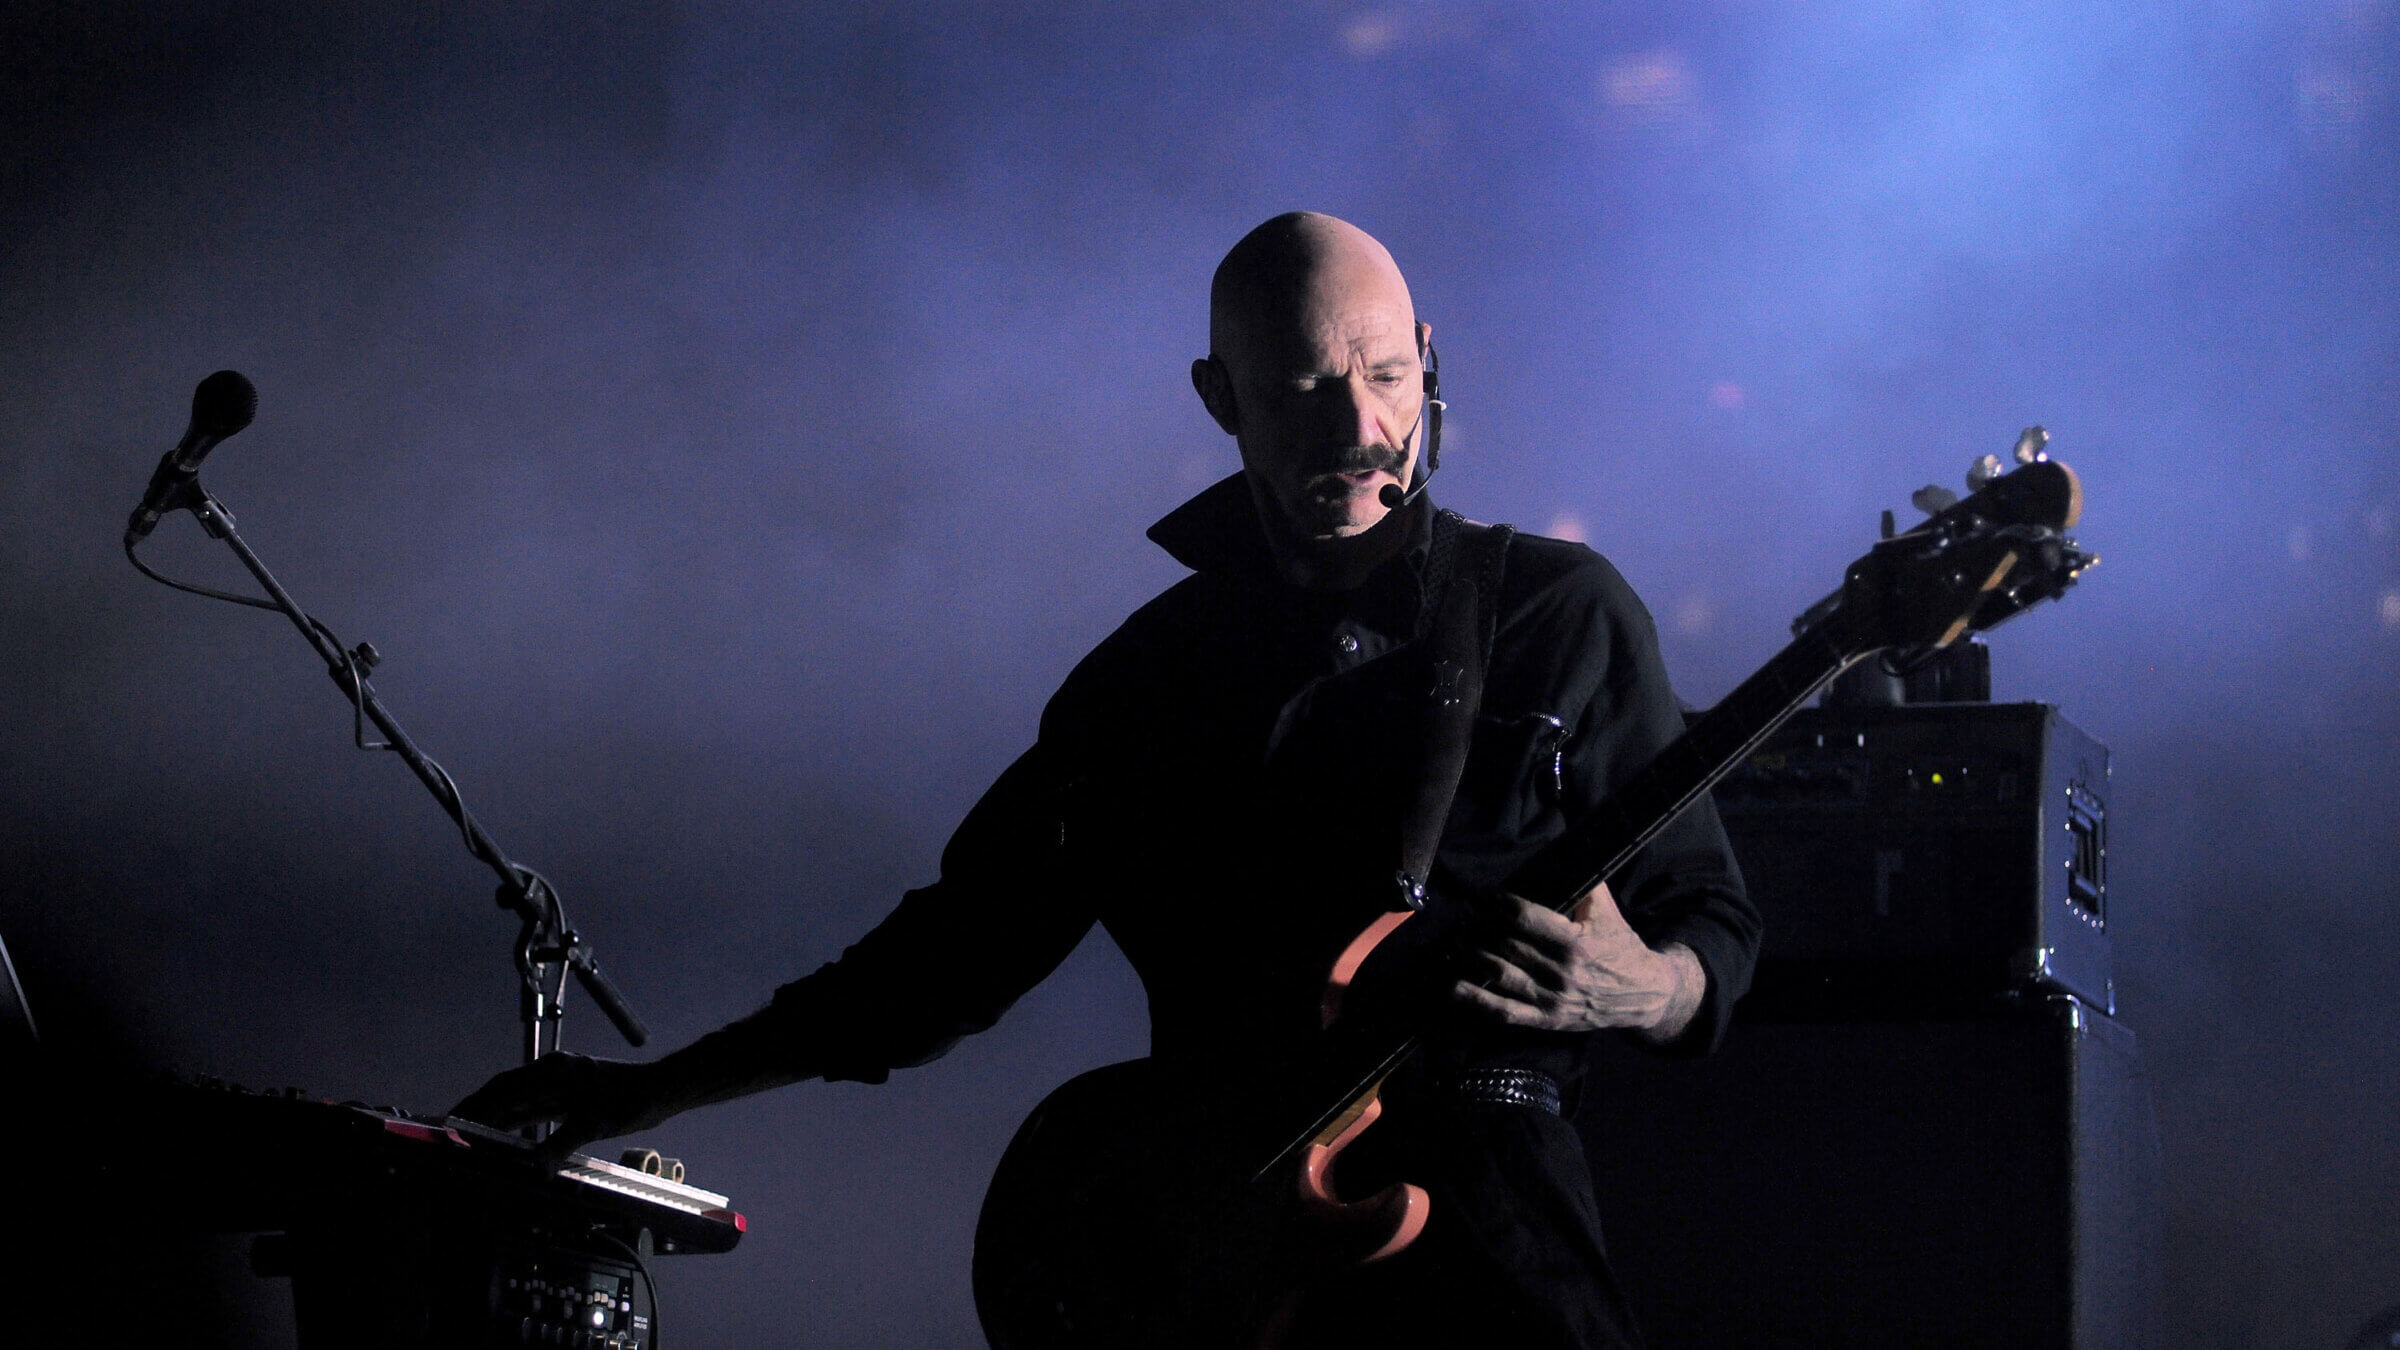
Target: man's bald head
x=1315, y=368
x=1296, y=263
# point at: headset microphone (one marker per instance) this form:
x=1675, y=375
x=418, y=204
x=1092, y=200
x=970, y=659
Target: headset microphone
x=1391, y=496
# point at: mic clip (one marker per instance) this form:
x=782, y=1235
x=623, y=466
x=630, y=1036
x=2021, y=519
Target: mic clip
x=172, y=488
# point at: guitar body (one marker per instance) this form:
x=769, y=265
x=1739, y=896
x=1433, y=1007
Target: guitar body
x=1120, y=1217
x=1112, y=1222
x=1126, y=1211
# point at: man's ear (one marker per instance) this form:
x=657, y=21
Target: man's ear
x=1214, y=383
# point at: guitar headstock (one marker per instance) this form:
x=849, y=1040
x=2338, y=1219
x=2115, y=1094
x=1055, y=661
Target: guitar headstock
x=1969, y=566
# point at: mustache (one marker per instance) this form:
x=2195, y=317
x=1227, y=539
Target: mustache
x=1375, y=458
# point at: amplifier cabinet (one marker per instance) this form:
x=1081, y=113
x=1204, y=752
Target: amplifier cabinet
x=1924, y=856
x=1969, y=1182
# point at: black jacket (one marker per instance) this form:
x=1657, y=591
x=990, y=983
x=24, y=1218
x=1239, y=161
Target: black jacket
x=1220, y=783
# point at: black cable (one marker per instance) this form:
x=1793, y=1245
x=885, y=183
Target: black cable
x=354, y=669
x=523, y=890
x=649, y=1285
x=164, y=580
x=355, y=684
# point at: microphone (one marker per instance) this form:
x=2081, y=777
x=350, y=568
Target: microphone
x=222, y=405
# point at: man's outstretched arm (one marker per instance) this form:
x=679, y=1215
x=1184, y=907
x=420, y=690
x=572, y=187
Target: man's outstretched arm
x=587, y=1099
x=945, y=964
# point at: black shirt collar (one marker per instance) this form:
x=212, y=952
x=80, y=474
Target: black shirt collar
x=1218, y=533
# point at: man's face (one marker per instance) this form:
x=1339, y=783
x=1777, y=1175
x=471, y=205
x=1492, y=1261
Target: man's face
x=1327, y=396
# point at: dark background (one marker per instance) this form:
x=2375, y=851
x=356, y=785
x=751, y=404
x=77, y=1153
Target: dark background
x=731, y=422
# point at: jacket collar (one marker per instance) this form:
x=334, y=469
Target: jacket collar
x=1218, y=533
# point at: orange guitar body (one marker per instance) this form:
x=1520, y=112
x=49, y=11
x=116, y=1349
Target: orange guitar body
x=1389, y=1220
x=1353, y=1232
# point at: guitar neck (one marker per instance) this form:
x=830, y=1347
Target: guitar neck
x=1600, y=844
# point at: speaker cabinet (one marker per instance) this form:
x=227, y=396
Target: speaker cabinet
x=1974, y=1182
x=1924, y=859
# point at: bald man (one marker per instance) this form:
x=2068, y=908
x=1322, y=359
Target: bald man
x=1222, y=785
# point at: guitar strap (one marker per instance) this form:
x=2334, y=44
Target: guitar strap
x=1463, y=567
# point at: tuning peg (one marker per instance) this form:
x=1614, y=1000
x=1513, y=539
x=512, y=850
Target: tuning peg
x=1983, y=471
x=1932, y=499
x=2031, y=442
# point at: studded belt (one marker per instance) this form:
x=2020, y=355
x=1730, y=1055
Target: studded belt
x=1511, y=1087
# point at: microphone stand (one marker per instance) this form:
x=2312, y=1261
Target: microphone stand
x=546, y=948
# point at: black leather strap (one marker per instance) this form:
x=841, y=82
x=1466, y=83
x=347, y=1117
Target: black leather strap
x=1463, y=567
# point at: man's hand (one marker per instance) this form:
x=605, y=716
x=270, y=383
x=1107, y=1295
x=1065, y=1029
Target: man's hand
x=588, y=1099
x=1579, y=971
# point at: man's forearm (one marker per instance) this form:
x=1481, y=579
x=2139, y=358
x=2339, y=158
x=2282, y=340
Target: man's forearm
x=736, y=1060
x=1691, y=990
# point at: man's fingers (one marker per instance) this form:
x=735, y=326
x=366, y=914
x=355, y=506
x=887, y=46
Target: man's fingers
x=570, y=1136
x=1511, y=980
x=1597, y=904
x=501, y=1105
x=1508, y=1010
x=1537, y=1014
x=523, y=1095
x=1541, y=963
x=1514, y=996
x=1517, y=917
